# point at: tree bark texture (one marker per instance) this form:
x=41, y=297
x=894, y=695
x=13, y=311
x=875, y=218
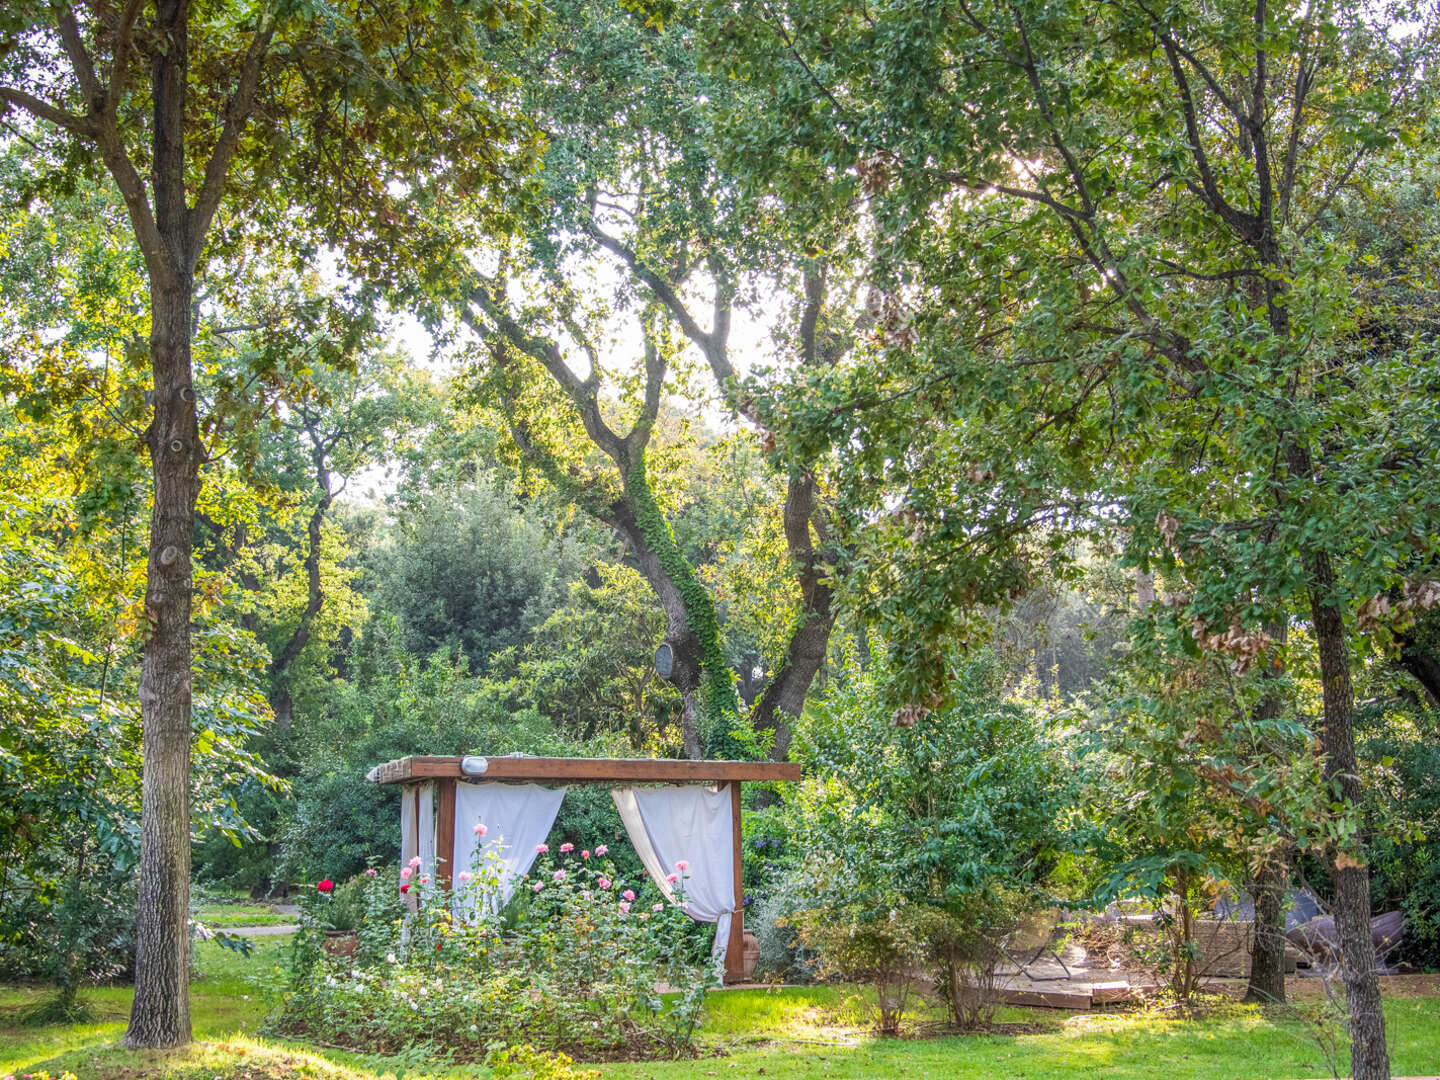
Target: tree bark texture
x=784, y=697
x=1369, y=1056
x=1267, y=952
x=160, y=1014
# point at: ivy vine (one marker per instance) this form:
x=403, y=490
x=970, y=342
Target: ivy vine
x=720, y=704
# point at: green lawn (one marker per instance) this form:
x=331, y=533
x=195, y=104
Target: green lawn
x=223, y=911
x=810, y=1034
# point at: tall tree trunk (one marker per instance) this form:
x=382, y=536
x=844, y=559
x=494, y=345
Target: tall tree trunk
x=1267, y=952
x=160, y=1014
x=1369, y=1057
x=809, y=643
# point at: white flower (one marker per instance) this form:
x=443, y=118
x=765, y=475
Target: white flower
x=390, y=958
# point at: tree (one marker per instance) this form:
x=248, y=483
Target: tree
x=172, y=93
x=1108, y=284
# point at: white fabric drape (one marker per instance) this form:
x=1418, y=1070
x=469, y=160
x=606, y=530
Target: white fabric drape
x=516, y=817
x=668, y=825
x=417, y=827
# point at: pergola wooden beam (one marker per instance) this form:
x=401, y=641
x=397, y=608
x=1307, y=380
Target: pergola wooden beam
x=446, y=772
x=586, y=770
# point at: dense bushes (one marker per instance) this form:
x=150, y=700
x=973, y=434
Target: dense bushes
x=574, y=963
x=917, y=844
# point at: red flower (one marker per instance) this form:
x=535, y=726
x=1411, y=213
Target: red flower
x=437, y=945
x=405, y=887
x=326, y=886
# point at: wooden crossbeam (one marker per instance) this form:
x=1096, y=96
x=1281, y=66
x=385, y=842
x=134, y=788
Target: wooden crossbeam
x=587, y=770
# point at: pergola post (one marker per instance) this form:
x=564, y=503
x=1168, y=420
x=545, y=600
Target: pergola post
x=444, y=832
x=735, y=952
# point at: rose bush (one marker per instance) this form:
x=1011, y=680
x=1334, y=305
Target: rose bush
x=575, y=962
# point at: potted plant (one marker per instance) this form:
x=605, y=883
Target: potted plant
x=340, y=909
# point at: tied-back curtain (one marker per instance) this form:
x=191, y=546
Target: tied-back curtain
x=516, y=817
x=417, y=827
x=668, y=825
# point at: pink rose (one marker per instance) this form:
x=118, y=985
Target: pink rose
x=628, y=895
x=415, y=861
x=624, y=908
x=405, y=873
x=657, y=907
x=603, y=882
x=372, y=872
x=538, y=886
x=424, y=879
x=480, y=829
x=682, y=866
x=541, y=849
x=565, y=849
x=584, y=854
x=602, y=850
x=672, y=878
x=559, y=875
x=464, y=877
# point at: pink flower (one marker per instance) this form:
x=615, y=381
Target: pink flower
x=538, y=886
x=465, y=877
x=559, y=875
x=672, y=878
x=372, y=872
x=628, y=895
x=541, y=849
x=480, y=829
x=657, y=907
x=624, y=908
x=603, y=882
x=424, y=879
x=405, y=873
x=565, y=849
x=584, y=854
x=602, y=850
x=682, y=866
x=415, y=861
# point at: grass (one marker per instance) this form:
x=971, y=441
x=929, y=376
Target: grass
x=223, y=911
x=794, y=1034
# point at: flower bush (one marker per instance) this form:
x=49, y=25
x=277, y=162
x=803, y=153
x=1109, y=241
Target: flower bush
x=575, y=962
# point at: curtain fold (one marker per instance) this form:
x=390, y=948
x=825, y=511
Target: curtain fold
x=516, y=817
x=417, y=827
x=691, y=824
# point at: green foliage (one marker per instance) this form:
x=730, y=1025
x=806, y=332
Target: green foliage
x=476, y=571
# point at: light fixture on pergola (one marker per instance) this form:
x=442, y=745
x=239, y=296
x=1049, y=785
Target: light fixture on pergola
x=445, y=773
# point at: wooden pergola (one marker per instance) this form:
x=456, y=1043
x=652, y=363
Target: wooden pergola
x=446, y=772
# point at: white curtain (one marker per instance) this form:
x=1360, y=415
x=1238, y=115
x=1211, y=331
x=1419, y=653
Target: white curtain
x=417, y=827
x=691, y=824
x=516, y=817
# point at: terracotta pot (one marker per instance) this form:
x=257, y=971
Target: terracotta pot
x=750, y=955
x=341, y=942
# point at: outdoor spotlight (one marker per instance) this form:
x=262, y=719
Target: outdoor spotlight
x=474, y=766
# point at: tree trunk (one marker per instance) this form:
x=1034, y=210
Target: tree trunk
x=281, y=701
x=687, y=654
x=1267, y=953
x=809, y=643
x=160, y=1014
x=1267, y=949
x=1369, y=1057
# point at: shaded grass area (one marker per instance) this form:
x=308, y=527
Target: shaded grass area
x=810, y=1033
x=225, y=910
